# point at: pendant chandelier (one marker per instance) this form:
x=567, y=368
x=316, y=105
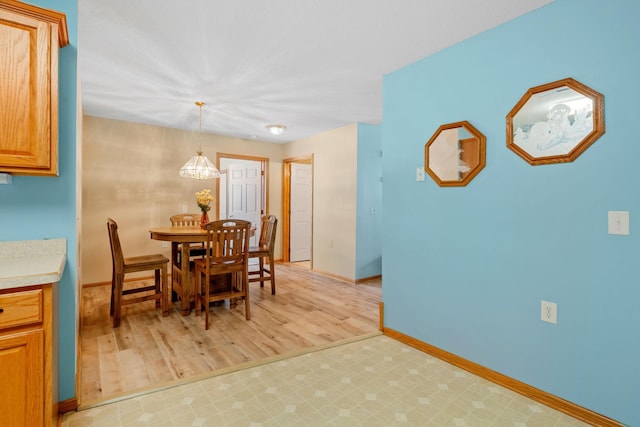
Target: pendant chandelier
x=199, y=167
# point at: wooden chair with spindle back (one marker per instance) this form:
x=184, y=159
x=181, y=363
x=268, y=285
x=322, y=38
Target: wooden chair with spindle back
x=182, y=220
x=185, y=220
x=227, y=252
x=121, y=266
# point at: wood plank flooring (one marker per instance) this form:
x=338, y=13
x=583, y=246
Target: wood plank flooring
x=148, y=350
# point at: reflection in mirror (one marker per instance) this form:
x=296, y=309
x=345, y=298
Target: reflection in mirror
x=556, y=122
x=455, y=154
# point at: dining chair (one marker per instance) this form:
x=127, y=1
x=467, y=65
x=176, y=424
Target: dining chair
x=186, y=220
x=263, y=251
x=227, y=252
x=182, y=220
x=121, y=266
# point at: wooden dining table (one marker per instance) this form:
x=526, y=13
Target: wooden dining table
x=182, y=239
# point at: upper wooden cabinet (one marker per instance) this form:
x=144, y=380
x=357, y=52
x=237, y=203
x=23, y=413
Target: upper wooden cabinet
x=29, y=41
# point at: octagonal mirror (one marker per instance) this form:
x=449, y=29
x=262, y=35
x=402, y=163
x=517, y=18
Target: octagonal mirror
x=555, y=122
x=455, y=154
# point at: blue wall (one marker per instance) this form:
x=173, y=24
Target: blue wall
x=369, y=196
x=465, y=268
x=44, y=207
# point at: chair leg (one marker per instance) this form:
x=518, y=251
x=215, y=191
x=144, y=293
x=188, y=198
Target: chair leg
x=175, y=281
x=272, y=274
x=205, y=297
x=164, y=283
x=261, y=265
x=113, y=288
x=197, y=294
x=158, y=287
x=117, y=300
x=245, y=283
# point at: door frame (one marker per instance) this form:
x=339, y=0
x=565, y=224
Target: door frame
x=264, y=166
x=286, y=203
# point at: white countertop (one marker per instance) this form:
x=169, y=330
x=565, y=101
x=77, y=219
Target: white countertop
x=31, y=262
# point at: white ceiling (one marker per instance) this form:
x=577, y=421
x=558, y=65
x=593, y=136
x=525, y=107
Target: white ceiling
x=312, y=65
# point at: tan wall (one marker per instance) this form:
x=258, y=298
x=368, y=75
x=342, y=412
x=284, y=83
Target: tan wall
x=130, y=173
x=334, y=197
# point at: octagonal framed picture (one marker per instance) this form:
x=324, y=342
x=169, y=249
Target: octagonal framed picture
x=455, y=154
x=555, y=122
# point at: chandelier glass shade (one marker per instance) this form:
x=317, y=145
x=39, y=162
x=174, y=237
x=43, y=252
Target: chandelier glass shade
x=199, y=167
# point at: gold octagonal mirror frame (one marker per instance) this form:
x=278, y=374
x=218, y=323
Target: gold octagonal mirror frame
x=555, y=122
x=455, y=154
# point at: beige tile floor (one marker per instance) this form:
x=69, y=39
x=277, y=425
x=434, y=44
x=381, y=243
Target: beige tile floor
x=376, y=381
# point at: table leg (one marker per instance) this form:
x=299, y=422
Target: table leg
x=185, y=280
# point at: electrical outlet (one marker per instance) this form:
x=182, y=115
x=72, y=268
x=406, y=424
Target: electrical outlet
x=165, y=244
x=549, y=311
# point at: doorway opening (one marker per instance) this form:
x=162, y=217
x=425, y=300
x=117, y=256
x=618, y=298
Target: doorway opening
x=243, y=190
x=297, y=210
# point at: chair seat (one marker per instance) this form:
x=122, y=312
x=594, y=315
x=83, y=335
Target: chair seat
x=144, y=261
x=217, y=267
x=262, y=250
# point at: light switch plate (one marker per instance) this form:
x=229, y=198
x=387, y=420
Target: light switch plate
x=420, y=174
x=5, y=178
x=619, y=222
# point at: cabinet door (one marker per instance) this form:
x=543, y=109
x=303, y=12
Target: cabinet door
x=21, y=379
x=28, y=66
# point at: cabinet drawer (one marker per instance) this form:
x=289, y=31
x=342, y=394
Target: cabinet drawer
x=20, y=308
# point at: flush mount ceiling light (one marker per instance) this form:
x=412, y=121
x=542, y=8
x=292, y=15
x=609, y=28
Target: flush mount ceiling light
x=199, y=167
x=276, y=129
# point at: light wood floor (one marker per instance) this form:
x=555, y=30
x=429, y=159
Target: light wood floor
x=149, y=350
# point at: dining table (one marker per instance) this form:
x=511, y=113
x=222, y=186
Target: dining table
x=182, y=238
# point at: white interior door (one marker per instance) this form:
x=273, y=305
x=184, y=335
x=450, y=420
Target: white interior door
x=300, y=218
x=244, y=193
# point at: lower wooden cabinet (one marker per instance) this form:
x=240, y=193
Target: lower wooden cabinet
x=28, y=384
x=21, y=365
